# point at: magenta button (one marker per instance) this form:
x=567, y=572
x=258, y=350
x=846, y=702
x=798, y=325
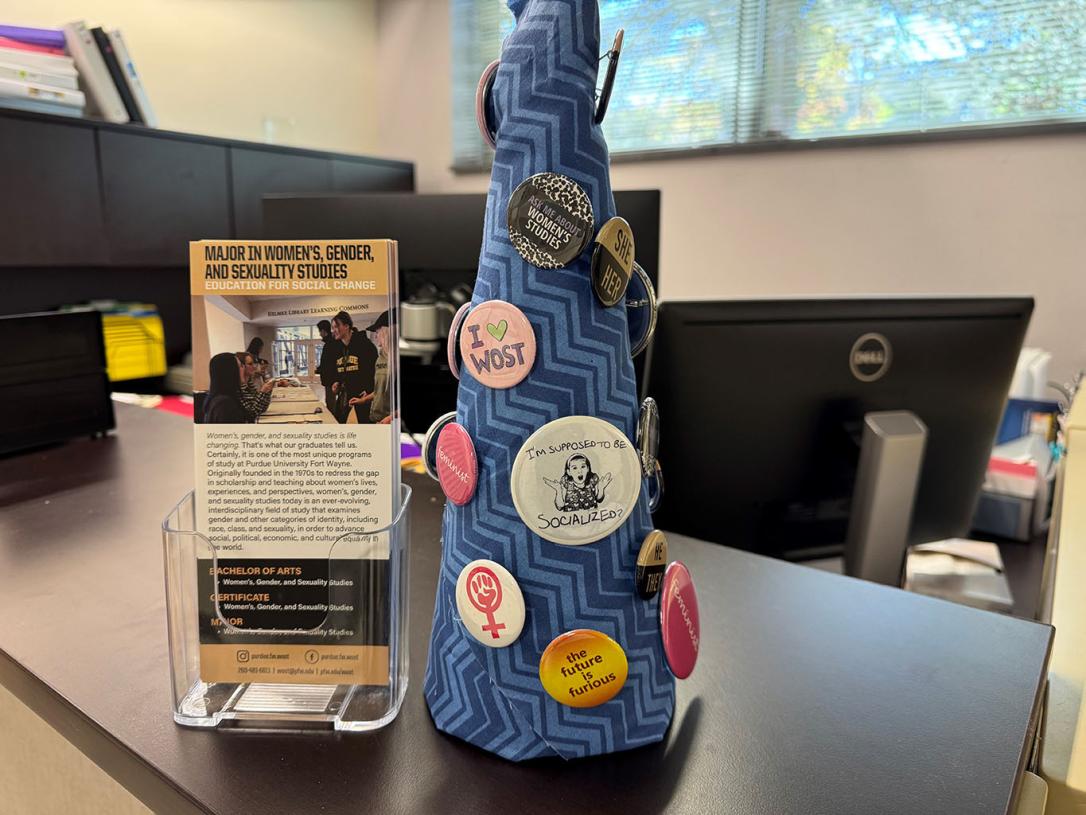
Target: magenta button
x=457, y=468
x=679, y=622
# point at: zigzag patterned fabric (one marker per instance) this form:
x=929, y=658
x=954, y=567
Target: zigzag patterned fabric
x=543, y=102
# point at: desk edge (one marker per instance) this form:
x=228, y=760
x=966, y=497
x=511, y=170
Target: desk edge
x=129, y=769
x=1035, y=722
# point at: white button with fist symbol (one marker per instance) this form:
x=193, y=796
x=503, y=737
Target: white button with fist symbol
x=490, y=603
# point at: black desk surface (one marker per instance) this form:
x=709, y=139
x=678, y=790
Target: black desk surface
x=814, y=693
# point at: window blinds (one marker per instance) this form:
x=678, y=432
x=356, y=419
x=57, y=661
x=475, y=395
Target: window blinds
x=697, y=73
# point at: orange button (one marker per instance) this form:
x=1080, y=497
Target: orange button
x=583, y=668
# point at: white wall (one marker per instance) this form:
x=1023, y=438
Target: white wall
x=225, y=332
x=213, y=331
x=993, y=216
x=220, y=67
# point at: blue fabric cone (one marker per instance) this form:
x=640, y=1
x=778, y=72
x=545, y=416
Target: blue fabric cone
x=543, y=102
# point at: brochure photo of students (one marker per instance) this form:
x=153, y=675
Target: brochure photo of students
x=381, y=405
x=360, y=381
x=291, y=360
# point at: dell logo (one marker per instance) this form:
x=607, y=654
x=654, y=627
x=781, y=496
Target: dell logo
x=870, y=357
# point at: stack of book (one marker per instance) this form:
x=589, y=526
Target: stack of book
x=71, y=71
x=36, y=73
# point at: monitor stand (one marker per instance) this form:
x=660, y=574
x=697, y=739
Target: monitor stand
x=891, y=455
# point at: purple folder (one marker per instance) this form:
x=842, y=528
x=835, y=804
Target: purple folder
x=53, y=38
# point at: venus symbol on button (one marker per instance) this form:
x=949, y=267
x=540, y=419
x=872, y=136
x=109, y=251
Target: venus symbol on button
x=490, y=604
x=485, y=593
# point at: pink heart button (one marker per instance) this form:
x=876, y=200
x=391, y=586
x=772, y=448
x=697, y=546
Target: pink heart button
x=457, y=467
x=497, y=344
x=680, y=625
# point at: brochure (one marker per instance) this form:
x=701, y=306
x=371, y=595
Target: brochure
x=297, y=457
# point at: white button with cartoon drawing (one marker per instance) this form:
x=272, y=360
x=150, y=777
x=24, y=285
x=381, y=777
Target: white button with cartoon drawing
x=576, y=480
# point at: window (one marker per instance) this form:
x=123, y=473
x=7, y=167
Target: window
x=294, y=349
x=698, y=73
x=297, y=332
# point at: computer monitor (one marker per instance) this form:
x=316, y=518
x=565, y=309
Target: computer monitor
x=762, y=404
x=53, y=375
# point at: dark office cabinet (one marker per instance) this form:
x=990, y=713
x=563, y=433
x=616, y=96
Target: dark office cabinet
x=91, y=194
x=50, y=212
x=159, y=195
x=53, y=375
x=256, y=172
x=371, y=176
x=91, y=210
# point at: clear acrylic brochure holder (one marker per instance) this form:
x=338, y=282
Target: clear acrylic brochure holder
x=281, y=706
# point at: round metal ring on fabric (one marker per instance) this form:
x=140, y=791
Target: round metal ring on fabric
x=575, y=480
x=609, y=77
x=680, y=623
x=550, y=220
x=612, y=261
x=497, y=344
x=482, y=94
x=655, y=488
x=640, y=310
x=490, y=603
x=429, y=444
x=452, y=347
x=648, y=435
x=583, y=668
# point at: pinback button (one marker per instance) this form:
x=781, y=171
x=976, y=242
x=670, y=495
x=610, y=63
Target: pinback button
x=575, y=480
x=550, y=220
x=490, y=603
x=482, y=104
x=612, y=261
x=497, y=344
x=429, y=444
x=680, y=626
x=651, y=561
x=648, y=435
x=583, y=668
x=457, y=468
x=655, y=488
x=451, y=347
x=640, y=310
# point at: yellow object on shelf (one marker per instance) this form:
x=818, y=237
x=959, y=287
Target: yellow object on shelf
x=135, y=344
